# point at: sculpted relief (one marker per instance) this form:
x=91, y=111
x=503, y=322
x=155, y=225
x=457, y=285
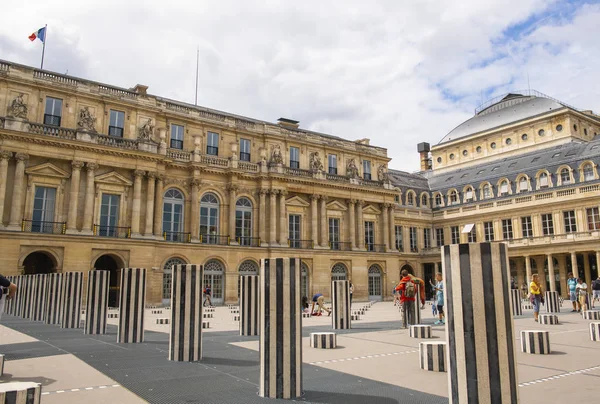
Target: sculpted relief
x=315, y=162
x=86, y=121
x=382, y=174
x=276, y=156
x=351, y=169
x=146, y=131
x=18, y=108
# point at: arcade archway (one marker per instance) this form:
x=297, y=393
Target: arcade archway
x=38, y=263
x=113, y=264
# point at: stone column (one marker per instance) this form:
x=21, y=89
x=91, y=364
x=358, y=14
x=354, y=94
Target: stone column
x=96, y=307
x=386, y=226
x=551, y=276
x=352, y=222
x=185, y=343
x=520, y=274
x=71, y=299
x=4, y=157
x=586, y=271
x=150, y=203
x=314, y=228
x=195, y=210
x=392, y=227
x=360, y=225
x=480, y=327
x=562, y=273
x=16, y=209
x=54, y=298
x=137, y=202
x=231, y=220
x=574, y=267
x=283, y=219
x=158, y=205
x=262, y=224
x=249, y=304
x=280, y=329
x=527, y=271
x=324, y=223
x=74, y=196
x=340, y=305
x=273, y=218
x=88, y=209
x=132, y=300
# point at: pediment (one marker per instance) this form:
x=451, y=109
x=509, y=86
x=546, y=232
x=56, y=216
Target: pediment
x=114, y=178
x=372, y=210
x=47, y=170
x=336, y=205
x=297, y=201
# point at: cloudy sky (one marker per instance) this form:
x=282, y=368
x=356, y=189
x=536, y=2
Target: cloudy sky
x=397, y=72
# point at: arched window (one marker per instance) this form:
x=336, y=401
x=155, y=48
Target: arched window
x=424, y=201
x=543, y=180
x=375, y=282
x=565, y=176
x=168, y=276
x=469, y=196
x=588, y=172
x=523, y=184
x=453, y=197
x=213, y=278
x=410, y=199
x=209, y=218
x=339, y=272
x=438, y=199
x=504, y=188
x=248, y=267
x=173, y=216
x=487, y=191
x=243, y=221
x=304, y=280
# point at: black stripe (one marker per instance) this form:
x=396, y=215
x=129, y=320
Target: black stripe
x=193, y=318
x=453, y=373
x=541, y=340
x=174, y=307
x=491, y=328
x=468, y=318
x=293, y=313
x=531, y=341
x=122, y=303
x=265, y=334
x=279, y=327
x=136, y=273
x=429, y=350
x=441, y=358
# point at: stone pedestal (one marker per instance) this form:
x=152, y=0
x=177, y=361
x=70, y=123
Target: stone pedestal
x=552, y=303
x=39, y=297
x=249, y=305
x=71, y=299
x=280, y=328
x=323, y=340
x=185, y=343
x=132, y=299
x=515, y=302
x=96, y=306
x=535, y=342
x=340, y=305
x=20, y=393
x=432, y=356
x=479, y=324
x=54, y=295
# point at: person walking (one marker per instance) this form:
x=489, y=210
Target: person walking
x=438, y=288
x=319, y=299
x=572, y=285
x=408, y=288
x=595, y=291
x=535, y=295
x=7, y=292
x=351, y=291
x=207, y=293
x=581, y=290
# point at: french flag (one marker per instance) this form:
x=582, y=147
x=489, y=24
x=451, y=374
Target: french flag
x=40, y=33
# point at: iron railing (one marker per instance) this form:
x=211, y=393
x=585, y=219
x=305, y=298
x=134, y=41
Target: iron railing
x=304, y=244
x=340, y=245
x=112, y=231
x=375, y=247
x=177, y=237
x=216, y=239
x=248, y=241
x=37, y=226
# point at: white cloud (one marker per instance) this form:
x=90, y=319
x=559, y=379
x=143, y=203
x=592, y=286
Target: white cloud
x=397, y=72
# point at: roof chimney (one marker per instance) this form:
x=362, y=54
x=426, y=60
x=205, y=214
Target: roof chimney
x=366, y=141
x=141, y=89
x=289, y=123
x=424, y=149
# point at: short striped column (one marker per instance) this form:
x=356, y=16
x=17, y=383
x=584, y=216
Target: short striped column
x=113, y=315
x=96, y=307
x=248, y=305
x=323, y=340
x=132, y=298
x=420, y=331
x=163, y=321
x=156, y=312
x=1, y=365
x=20, y=393
x=417, y=305
x=306, y=315
x=432, y=356
x=535, y=342
x=515, y=302
x=185, y=341
x=27, y=296
x=54, y=296
x=340, y=305
x=71, y=300
x=548, y=319
x=205, y=324
x=39, y=297
x=552, y=304
x=280, y=328
x=479, y=324
x=591, y=315
x=595, y=331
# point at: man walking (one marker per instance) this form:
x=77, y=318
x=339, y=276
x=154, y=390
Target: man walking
x=572, y=285
x=581, y=289
x=595, y=291
x=408, y=291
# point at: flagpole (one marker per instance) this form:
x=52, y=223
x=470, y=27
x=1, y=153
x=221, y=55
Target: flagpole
x=197, y=63
x=44, y=44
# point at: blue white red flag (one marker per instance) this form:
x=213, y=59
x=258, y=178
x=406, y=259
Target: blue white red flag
x=40, y=33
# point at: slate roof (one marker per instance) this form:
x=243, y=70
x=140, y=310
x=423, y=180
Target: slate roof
x=406, y=181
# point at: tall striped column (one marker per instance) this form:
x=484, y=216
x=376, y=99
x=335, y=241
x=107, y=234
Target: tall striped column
x=340, y=305
x=27, y=296
x=417, y=305
x=132, y=301
x=54, y=296
x=71, y=299
x=552, y=304
x=280, y=328
x=515, y=302
x=96, y=306
x=481, y=353
x=185, y=342
x=249, y=305
x=39, y=298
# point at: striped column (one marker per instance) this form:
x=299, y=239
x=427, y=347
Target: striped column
x=39, y=297
x=20, y=393
x=323, y=340
x=18, y=302
x=515, y=302
x=340, y=305
x=54, y=296
x=280, y=328
x=595, y=331
x=481, y=351
x=96, y=306
x=185, y=343
x=7, y=303
x=552, y=304
x=417, y=305
x=71, y=299
x=248, y=305
x=535, y=342
x=1, y=364
x=432, y=356
x=132, y=298
x=27, y=296
x=420, y=331
x=591, y=315
x=548, y=319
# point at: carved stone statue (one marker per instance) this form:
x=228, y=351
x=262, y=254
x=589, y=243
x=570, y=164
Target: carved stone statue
x=382, y=174
x=146, y=131
x=351, y=169
x=276, y=156
x=18, y=108
x=315, y=162
x=86, y=121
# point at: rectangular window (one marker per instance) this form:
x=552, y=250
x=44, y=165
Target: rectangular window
x=570, y=221
x=370, y=236
x=294, y=157
x=334, y=233
x=43, y=210
x=547, y=224
x=294, y=231
x=504, y=188
x=399, y=238
x=176, y=136
x=212, y=144
x=244, y=150
x=366, y=169
x=332, y=163
x=413, y=239
x=472, y=236
x=116, y=123
x=507, y=230
x=593, y=218
x=488, y=231
x=53, y=111
x=526, y=227
x=439, y=236
x=455, y=235
x=427, y=238
x=109, y=215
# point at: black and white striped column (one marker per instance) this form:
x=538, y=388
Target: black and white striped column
x=27, y=296
x=515, y=302
x=54, y=295
x=71, y=300
x=132, y=298
x=185, y=343
x=323, y=340
x=420, y=331
x=591, y=315
x=39, y=297
x=548, y=319
x=249, y=305
x=481, y=351
x=96, y=306
x=20, y=393
x=552, y=304
x=595, y=331
x=432, y=356
x=417, y=305
x=535, y=342
x=280, y=328
x=340, y=305
x=15, y=308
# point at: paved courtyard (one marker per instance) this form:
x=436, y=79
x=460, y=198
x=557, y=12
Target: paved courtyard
x=375, y=362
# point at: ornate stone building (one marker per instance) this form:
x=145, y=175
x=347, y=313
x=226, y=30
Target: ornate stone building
x=94, y=176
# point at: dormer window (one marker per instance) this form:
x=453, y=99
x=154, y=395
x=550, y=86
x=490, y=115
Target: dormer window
x=543, y=180
x=469, y=195
x=410, y=199
x=438, y=200
x=453, y=197
x=523, y=185
x=565, y=176
x=487, y=191
x=504, y=188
